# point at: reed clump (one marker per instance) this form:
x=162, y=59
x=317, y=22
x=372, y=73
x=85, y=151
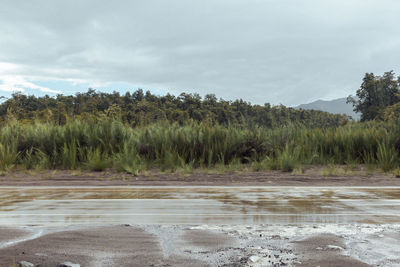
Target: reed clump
x=109, y=143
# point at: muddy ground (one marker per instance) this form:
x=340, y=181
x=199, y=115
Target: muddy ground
x=201, y=245
x=208, y=245
x=311, y=177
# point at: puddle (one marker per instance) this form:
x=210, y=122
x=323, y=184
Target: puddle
x=198, y=205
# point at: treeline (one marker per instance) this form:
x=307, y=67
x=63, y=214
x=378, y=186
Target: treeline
x=139, y=109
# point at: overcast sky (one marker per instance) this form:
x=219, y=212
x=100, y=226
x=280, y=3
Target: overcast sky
x=277, y=51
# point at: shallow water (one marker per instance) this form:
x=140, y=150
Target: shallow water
x=198, y=205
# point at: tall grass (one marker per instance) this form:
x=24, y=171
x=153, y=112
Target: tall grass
x=8, y=156
x=101, y=144
x=97, y=161
x=128, y=160
x=287, y=158
x=387, y=157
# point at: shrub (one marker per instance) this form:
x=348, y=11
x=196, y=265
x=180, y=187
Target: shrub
x=97, y=161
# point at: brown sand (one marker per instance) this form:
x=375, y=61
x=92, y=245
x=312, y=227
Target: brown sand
x=205, y=239
x=105, y=246
x=8, y=233
x=193, y=246
x=312, y=177
x=315, y=252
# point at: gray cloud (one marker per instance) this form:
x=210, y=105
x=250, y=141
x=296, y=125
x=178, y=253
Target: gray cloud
x=283, y=51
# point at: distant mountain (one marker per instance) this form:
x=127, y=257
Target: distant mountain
x=336, y=106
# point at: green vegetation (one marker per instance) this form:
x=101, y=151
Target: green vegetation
x=378, y=97
x=140, y=109
x=100, y=144
x=137, y=132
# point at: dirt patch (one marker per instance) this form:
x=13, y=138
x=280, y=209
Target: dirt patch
x=324, y=250
x=8, y=234
x=207, y=239
x=312, y=177
x=105, y=246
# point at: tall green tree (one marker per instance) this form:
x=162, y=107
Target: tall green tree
x=375, y=94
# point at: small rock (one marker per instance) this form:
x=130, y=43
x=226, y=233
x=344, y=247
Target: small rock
x=334, y=247
x=254, y=258
x=318, y=248
x=69, y=264
x=381, y=236
x=25, y=264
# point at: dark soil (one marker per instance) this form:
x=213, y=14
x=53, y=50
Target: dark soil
x=312, y=177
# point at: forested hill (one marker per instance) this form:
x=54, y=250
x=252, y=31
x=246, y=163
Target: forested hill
x=139, y=108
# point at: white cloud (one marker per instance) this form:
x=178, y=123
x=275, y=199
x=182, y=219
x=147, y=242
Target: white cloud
x=14, y=83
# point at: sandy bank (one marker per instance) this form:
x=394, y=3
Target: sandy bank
x=209, y=245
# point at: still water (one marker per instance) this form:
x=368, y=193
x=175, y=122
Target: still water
x=198, y=205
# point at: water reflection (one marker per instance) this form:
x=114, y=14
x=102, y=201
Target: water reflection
x=198, y=205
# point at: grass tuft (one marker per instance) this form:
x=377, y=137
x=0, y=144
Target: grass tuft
x=97, y=161
x=387, y=157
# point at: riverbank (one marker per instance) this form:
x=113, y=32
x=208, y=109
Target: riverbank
x=312, y=176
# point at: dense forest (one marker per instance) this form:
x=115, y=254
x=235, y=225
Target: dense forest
x=139, y=109
x=140, y=131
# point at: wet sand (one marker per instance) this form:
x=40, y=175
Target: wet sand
x=325, y=250
x=244, y=244
x=311, y=177
x=52, y=206
x=210, y=245
x=9, y=233
x=101, y=246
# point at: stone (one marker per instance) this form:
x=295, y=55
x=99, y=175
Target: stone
x=334, y=247
x=25, y=264
x=69, y=264
x=254, y=258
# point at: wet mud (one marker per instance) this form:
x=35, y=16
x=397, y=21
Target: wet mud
x=198, y=205
x=210, y=245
